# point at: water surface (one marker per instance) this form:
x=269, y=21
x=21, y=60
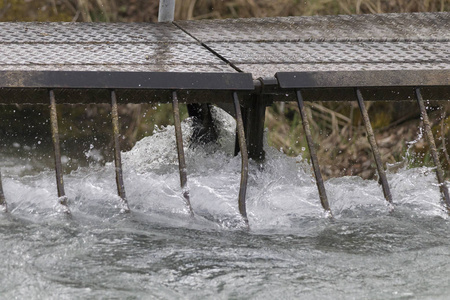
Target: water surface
x=366, y=251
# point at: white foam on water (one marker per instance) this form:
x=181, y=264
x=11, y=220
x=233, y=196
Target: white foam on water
x=158, y=251
x=278, y=195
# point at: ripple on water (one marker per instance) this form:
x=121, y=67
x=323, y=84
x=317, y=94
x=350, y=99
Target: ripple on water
x=157, y=251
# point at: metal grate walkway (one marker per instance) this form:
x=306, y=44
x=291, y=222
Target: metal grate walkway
x=245, y=63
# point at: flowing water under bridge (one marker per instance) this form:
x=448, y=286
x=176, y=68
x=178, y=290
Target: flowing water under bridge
x=241, y=65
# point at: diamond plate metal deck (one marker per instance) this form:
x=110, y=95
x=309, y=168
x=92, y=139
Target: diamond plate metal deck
x=262, y=47
x=379, y=27
x=387, y=42
x=26, y=32
x=103, y=47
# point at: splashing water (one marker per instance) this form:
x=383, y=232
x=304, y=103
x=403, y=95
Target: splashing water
x=157, y=251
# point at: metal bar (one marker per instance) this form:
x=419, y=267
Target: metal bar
x=117, y=156
x=244, y=157
x=373, y=144
x=3, y=204
x=181, y=158
x=166, y=10
x=57, y=151
x=367, y=78
x=312, y=152
x=126, y=80
x=429, y=134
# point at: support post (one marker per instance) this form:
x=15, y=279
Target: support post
x=166, y=10
x=254, y=127
x=181, y=158
x=373, y=144
x=203, y=128
x=429, y=134
x=244, y=157
x=3, y=205
x=57, y=152
x=117, y=155
x=312, y=152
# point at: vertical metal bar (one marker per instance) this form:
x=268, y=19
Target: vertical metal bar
x=373, y=144
x=312, y=152
x=429, y=134
x=57, y=150
x=244, y=157
x=166, y=10
x=181, y=158
x=3, y=205
x=117, y=156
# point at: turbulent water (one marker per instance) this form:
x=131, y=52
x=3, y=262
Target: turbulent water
x=293, y=250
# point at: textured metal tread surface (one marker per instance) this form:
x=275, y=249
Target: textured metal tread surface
x=264, y=47
x=85, y=33
x=380, y=27
x=265, y=59
x=139, y=47
x=100, y=54
x=266, y=70
x=334, y=52
x=164, y=68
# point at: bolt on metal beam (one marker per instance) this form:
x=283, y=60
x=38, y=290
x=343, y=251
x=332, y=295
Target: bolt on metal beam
x=429, y=134
x=312, y=152
x=166, y=10
x=57, y=152
x=375, y=150
x=3, y=205
x=181, y=157
x=244, y=157
x=117, y=155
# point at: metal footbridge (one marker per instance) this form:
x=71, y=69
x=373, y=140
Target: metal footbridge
x=242, y=65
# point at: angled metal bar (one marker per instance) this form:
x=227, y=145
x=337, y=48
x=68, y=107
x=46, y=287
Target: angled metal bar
x=244, y=157
x=57, y=151
x=181, y=158
x=117, y=155
x=312, y=152
x=3, y=205
x=429, y=134
x=375, y=150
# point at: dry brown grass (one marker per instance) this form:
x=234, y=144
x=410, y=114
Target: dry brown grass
x=144, y=11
